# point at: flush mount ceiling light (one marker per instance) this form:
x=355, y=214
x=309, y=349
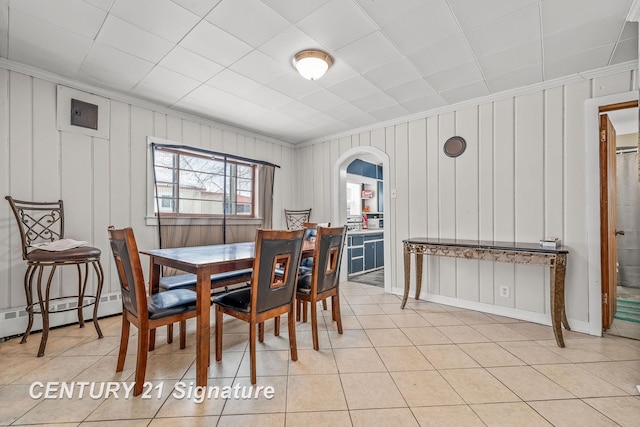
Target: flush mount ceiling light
x=312, y=64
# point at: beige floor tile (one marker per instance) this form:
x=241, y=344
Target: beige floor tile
x=462, y=334
x=442, y=319
x=350, y=322
x=503, y=319
x=327, y=418
x=406, y=358
x=578, y=381
x=388, y=337
x=121, y=423
x=61, y=410
x=313, y=362
x=375, y=290
x=476, y=385
x=533, y=331
x=366, y=309
x=574, y=412
x=395, y=308
x=474, y=317
x=55, y=345
x=94, y=347
x=448, y=356
x=16, y=402
x=577, y=353
x=365, y=391
x=533, y=353
x=184, y=421
x=408, y=320
x=625, y=375
x=529, y=384
x=304, y=339
x=509, y=414
x=450, y=416
x=315, y=393
x=350, y=338
x=350, y=360
x=425, y=388
x=612, y=349
x=424, y=306
x=426, y=335
x=15, y=366
x=498, y=332
x=105, y=370
x=262, y=420
x=383, y=417
x=268, y=363
x=231, y=342
x=169, y=366
x=261, y=405
x=376, y=321
x=58, y=369
x=623, y=410
x=352, y=291
x=185, y=400
x=227, y=367
x=386, y=299
x=358, y=299
x=490, y=354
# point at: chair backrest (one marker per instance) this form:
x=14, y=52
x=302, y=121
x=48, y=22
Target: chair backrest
x=37, y=221
x=295, y=218
x=127, y=259
x=279, y=249
x=310, y=231
x=327, y=258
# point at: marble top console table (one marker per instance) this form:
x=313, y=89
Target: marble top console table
x=518, y=253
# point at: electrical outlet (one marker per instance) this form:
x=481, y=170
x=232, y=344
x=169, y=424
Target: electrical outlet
x=504, y=291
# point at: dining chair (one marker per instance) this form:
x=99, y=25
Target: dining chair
x=43, y=222
x=270, y=295
x=324, y=279
x=306, y=264
x=144, y=312
x=295, y=218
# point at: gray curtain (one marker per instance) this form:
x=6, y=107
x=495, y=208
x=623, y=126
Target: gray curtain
x=628, y=219
x=265, y=179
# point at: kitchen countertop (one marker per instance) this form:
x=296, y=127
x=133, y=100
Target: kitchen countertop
x=368, y=231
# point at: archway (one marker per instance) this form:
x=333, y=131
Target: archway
x=339, y=215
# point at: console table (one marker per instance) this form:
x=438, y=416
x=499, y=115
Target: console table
x=518, y=253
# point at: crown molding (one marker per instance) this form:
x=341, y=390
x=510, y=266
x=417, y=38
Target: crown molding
x=128, y=99
x=548, y=84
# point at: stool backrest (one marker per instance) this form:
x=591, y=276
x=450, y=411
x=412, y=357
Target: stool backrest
x=295, y=218
x=127, y=259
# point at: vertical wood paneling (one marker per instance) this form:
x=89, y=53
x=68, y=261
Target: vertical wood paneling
x=205, y=137
x=401, y=207
x=327, y=200
x=529, y=195
x=174, y=130
x=318, y=184
x=432, y=264
x=46, y=149
x=141, y=177
x=159, y=125
x=120, y=165
x=190, y=133
x=390, y=147
x=417, y=177
x=101, y=203
x=8, y=232
x=485, y=196
x=377, y=139
x=615, y=83
x=447, y=202
x=365, y=139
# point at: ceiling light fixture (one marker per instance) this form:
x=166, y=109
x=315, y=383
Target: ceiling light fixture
x=312, y=64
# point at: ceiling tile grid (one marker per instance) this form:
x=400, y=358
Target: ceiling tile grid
x=231, y=61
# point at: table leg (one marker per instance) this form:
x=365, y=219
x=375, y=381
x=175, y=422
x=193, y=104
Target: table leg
x=203, y=325
x=419, y=259
x=558, y=315
x=407, y=275
x=154, y=288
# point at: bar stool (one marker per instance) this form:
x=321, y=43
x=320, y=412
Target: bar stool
x=44, y=222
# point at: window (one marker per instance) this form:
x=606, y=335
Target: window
x=193, y=184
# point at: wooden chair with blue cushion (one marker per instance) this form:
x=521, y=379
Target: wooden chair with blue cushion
x=144, y=312
x=271, y=293
x=324, y=279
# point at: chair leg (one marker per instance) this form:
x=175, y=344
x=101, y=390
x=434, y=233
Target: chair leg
x=152, y=339
x=124, y=341
x=169, y=333
x=324, y=304
x=261, y=332
x=335, y=311
x=314, y=324
x=298, y=308
x=292, y=334
x=141, y=360
x=276, y=326
x=44, y=308
x=100, y=274
x=82, y=285
x=28, y=290
x=304, y=311
x=252, y=351
x=183, y=334
x=218, y=334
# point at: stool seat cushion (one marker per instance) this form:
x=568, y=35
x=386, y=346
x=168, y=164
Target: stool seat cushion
x=171, y=302
x=238, y=300
x=75, y=254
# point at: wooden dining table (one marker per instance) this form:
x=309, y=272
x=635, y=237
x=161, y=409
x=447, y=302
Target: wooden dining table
x=203, y=261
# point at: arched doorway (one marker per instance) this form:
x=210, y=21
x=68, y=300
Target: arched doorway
x=339, y=215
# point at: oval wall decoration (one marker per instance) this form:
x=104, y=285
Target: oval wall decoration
x=454, y=146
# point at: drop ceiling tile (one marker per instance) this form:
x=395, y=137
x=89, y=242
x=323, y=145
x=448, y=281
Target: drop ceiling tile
x=78, y=16
x=626, y=50
x=390, y=112
x=321, y=100
x=515, y=79
x=230, y=81
x=168, y=20
x=472, y=14
x=580, y=38
x=260, y=67
x=461, y=75
x=393, y=74
x=506, y=32
x=294, y=85
x=629, y=31
x=374, y=101
x=190, y=64
x=296, y=109
x=165, y=97
x=360, y=121
x=385, y=12
x=559, y=15
x=419, y=28
x=102, y=4
x=199, y=7
x=578, y=62
x=36, y=42
x=336, y=24
x=443, y=55
x=295, y=10
x=370, y=52
x=424, y=103
x=414, y=89
x=500, y=63
x=228, y=107
x=161, y=77
x=112, y=68
x=344, y=111
x=354, y=88
x=249, y=20
x=214, y=43
x=318, y=119
x=339, y=72
x=465, y=93
x=268, y=98
x=123, y=36
x=283, y=46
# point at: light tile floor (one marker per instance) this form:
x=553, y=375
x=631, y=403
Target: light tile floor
x=427, y=365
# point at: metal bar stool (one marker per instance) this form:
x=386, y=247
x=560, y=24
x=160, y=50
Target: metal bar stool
x=296, y=218
x=44, y=222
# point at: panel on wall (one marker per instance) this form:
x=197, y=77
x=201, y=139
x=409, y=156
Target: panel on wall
x=447, y=203
x=485, y=196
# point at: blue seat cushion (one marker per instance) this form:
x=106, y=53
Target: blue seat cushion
x=238, y=300
x=188, y=280
x=171, y=302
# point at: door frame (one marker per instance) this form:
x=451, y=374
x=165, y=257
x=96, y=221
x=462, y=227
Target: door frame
x=592, y=148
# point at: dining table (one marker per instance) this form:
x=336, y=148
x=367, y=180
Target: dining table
x=203, y=261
